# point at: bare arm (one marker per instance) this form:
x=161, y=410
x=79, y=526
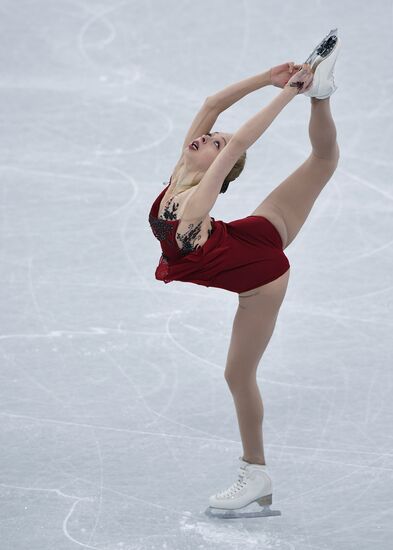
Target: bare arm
x=202, y=123
x=201, y=202
x=231, y=94
x=216, y=103
x=219, y=102
x=247, y=134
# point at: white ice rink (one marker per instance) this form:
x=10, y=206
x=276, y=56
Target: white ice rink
x=116, y=420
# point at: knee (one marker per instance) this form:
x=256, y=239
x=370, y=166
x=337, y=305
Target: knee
x=231, y=375
x=336, y=156
x=237, y=378
x=326, y=166
x=330, y=161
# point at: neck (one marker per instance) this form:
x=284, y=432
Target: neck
x=185, y=180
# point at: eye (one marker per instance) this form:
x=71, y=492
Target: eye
x=219, y=144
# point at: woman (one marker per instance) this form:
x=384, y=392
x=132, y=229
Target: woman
x=246, y=256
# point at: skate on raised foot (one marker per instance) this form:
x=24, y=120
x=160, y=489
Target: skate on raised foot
x=322, y=60
x=245, y=497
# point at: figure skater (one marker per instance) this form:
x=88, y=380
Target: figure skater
x=246, y=256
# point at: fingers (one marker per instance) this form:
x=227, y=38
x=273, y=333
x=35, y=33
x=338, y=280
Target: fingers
x=292, y=66
x=308, y=81
x=306, y=67
x=303, y=78
x=306, y=72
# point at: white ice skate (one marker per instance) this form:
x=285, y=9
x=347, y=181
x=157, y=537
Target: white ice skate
x=322, y=60
x=252, y=486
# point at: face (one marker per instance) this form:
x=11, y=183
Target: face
x=206, y=148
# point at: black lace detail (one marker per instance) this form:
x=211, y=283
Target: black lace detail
x=170, y=214
x=161, y=229
x=188, y=239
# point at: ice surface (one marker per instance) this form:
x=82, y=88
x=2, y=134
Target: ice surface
x=116, y=421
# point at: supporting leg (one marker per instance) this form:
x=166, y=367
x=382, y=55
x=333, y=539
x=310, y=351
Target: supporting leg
x=253, y=327
x=249, y=410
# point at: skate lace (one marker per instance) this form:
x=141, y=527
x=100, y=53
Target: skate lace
x=235, y=487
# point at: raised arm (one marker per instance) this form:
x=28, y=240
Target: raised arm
x=276, y=76
x=231, y=94
x=203, y=199
x=217, y=103
x=202, y=123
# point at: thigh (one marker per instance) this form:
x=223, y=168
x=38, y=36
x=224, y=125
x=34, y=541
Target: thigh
x=290, y=203
x=253, y=326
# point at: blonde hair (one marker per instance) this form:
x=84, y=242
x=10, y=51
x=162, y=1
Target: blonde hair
x=235, y=172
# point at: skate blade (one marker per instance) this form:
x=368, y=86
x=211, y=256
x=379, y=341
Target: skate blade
x=323, y=50
x=235, y=514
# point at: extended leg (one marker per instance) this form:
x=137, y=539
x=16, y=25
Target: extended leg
x=322, y=130
x=290, y=203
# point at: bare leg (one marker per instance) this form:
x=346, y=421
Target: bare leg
x=290, y=203
x=287, y=207
x=322, y=129
x=253, y=327
x=249, y=410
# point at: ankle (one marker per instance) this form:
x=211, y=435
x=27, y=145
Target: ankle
x=251, y=460
x=316, y=100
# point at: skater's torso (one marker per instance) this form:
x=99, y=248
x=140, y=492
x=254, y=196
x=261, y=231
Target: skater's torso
x=190, y=233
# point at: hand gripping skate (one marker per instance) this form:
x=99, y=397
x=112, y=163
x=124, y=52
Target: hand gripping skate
x=253, y=489
x=322, y=60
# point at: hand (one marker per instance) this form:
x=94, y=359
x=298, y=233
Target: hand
x=280, y=75
x=302, y=79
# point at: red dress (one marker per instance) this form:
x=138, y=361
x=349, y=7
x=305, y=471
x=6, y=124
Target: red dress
x=238, y=256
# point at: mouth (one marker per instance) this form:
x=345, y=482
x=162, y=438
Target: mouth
x=194, y=145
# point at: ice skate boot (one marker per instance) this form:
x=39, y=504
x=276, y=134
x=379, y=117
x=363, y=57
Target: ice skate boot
x=322, y=60
x=253, y=489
